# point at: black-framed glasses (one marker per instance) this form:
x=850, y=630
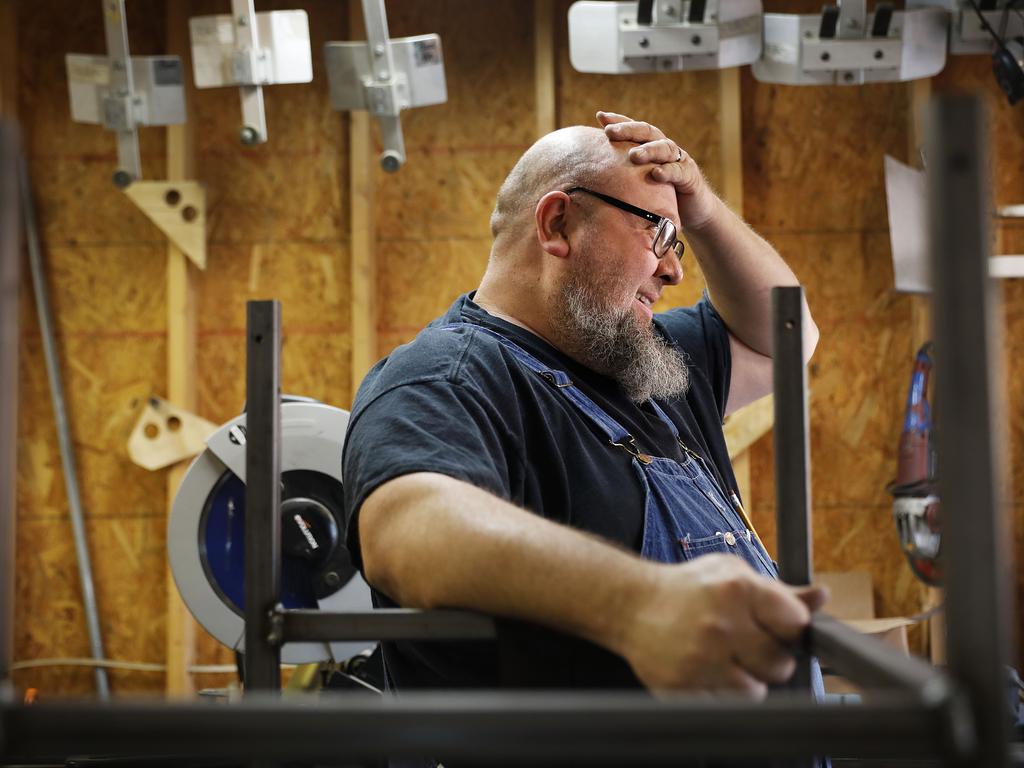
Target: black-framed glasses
x=665, y=238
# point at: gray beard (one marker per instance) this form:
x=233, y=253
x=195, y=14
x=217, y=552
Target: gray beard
x=616, y=345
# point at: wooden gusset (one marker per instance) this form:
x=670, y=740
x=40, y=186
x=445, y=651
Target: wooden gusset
x=165, y=434
x=178, y=208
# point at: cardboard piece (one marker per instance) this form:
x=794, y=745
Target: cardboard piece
x=851, y=600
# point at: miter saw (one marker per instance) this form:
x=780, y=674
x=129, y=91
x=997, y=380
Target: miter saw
x=915, y=496
x=206, y=531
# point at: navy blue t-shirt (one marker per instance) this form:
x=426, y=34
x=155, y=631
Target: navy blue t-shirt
x=458, y=403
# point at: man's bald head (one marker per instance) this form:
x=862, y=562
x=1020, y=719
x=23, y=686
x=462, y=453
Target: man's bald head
x=574, y=156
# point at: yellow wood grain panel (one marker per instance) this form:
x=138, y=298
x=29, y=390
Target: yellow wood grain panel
x=419, y=281
x=106, y=382
x=813, y=156
x=488, y=55
x=128, y=566
x=448, y=193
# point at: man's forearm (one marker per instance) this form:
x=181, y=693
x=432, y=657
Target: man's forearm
x=431, y=541
x=741, y=268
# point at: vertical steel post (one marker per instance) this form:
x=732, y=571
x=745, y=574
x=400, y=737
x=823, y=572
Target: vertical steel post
x=792, y=443
x=792, y=453
x=262, y=494
x=968, y=379
x=10, y=261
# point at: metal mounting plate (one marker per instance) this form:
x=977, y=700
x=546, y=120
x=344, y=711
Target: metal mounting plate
x=284, y=35
x=418, y=73
x=793, y=51
x=605, y=38
x=158, y=87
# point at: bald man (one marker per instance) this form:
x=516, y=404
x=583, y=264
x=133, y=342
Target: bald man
x=550, y=452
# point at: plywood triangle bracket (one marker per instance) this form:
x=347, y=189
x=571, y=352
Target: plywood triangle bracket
x=165, y=435
x=178, y=208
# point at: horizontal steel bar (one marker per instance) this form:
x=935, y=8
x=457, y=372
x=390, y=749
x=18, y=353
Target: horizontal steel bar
x=389, y=624
x=870, y=663
x=592, y=727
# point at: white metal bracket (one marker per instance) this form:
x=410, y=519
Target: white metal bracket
x=384, y=76
x=250, y=50
x=665, y=36
x=845, y=45
x=122, y=92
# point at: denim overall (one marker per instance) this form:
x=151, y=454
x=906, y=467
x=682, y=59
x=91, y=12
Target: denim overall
x=686, y=513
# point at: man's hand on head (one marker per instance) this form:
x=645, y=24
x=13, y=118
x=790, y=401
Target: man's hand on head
x=714, y=625
x=672, y=165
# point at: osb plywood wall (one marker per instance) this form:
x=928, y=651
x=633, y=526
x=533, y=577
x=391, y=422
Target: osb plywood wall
x=279, y=227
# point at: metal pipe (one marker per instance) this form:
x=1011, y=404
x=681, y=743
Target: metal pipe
x=262, y=494
x=792, y=450
x=591, y=727
x=975, y=537
x=10, y=262
x=792, y=444
x=67, y=451
x=122, y=93
x=869, y=663
x=385, y=624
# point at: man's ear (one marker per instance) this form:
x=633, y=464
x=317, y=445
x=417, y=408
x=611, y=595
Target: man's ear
x=551, y=217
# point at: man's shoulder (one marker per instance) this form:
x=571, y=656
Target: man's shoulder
x=442, y=354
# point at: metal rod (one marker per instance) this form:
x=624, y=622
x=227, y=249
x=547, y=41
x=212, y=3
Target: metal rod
x=67, y=450
x=792, y=444
x=386, y=624
x=511, y=727
x=262, y=494
x=382, y=69
x=247, y=42
x=975, y=539
x=792, y=450
x=10, y=263
x=122, y=86
x=869, y=663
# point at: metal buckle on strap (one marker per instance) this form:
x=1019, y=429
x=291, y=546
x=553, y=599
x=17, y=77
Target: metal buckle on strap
x=550, y=377
x=633, y=451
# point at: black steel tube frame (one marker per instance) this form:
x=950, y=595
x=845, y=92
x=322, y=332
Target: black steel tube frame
x=792, y=450
x=976, y=559
x=792, y=442
x=926, y=716
x=584, y=728
x=262, y=660
x=871, y=664
x=10, y=261
x=389, y=624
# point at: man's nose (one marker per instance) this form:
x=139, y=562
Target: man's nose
x=670, y=268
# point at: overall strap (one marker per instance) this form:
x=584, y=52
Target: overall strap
x=614, y=431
